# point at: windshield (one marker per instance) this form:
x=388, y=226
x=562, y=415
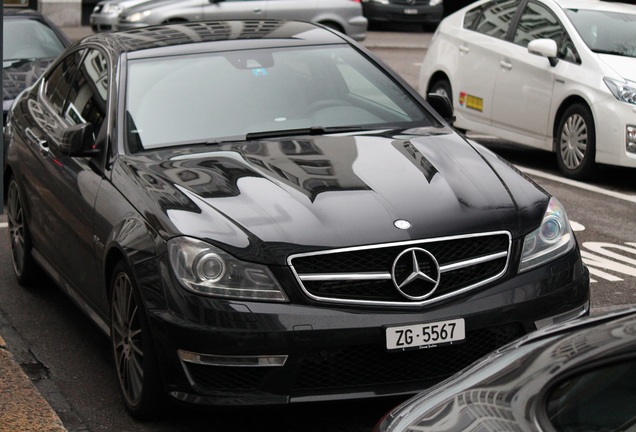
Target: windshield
x=215, y=97
x=29, y=39
x=606, y=32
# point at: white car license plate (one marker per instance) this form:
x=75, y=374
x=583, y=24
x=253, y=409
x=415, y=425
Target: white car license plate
x=425, y=335
x=410, y=11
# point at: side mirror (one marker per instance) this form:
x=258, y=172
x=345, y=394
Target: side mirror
x=78, y=140
x=544, y=48
x=442, y=105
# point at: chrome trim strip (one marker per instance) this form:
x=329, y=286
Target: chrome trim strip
x=566, y=316
x=345, y=276
x=471, y=262
x=232, y=361
x=403, y=243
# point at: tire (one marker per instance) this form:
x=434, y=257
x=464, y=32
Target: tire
x=576, y=142
x=136, y=363
x=25, y=268
x=442, y=87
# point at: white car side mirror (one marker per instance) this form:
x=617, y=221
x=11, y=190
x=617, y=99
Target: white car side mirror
x=544, y=48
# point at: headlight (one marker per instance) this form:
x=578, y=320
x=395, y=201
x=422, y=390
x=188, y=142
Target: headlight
x=137, y=16
x=622, y=90
x=551, y=240
x=205, y=269
x=112, y=9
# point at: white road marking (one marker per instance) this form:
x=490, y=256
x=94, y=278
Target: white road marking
x=580, y=185
x=4, y=224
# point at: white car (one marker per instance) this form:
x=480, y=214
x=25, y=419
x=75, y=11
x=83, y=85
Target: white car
x=558, y=75
x=106, y=13
x=343, y=15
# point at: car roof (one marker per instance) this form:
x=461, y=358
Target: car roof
x=601, y=5
x=193, y=37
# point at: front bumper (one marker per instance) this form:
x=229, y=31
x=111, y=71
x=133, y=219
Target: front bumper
x=423, y=14
x=227, y=352
x=612, y=118
x=103, y=22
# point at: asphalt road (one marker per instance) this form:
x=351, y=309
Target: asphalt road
x=70, y=360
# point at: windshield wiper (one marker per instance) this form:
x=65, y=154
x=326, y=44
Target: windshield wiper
x=314, y=130
x=611, y=52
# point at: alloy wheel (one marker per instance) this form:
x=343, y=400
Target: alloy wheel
x=127, y=339
x=17, y=233
x=573, y=141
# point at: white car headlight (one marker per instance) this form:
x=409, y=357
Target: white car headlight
x=551, y=240
x=205, y=269
x=137, y=16
x=622, y=90
x=112, y=9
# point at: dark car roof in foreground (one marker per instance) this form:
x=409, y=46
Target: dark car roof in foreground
x=224, y=34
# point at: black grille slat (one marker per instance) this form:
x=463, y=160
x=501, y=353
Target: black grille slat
x=454, y=255
x=372, y=365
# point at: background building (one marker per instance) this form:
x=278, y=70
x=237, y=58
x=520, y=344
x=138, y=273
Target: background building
x=64, y=13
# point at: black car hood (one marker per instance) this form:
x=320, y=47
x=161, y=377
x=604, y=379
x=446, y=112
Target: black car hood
x=20, y=74
x=309, y=193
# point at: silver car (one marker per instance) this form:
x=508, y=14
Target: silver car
x=106, y=13
x=343, y=15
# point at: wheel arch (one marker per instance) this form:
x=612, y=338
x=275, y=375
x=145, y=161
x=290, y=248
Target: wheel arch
x=332, y=24
x=6, y=175
x=174, y=20
x=567, y=103
x=437, y=76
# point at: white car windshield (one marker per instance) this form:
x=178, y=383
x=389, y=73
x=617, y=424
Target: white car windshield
x=29, y=39
x=606, y=32
x=229, y=95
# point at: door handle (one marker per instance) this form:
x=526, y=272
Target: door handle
x=42, y=143
x=464, y=49
x=505, y=64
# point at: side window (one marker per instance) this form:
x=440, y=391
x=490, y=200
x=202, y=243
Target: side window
x=537, y=22
x=471, y=17
x=602, y=399
x=88, y=92
x=59, y=81
x=496, y=19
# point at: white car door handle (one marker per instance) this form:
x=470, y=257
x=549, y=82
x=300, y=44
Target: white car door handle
x=464, y=49
x=505, y=64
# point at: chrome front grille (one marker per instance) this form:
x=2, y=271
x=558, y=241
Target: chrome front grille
x=365, y=275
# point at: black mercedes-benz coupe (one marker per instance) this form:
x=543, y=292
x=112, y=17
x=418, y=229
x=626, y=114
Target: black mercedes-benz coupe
x=261, y=212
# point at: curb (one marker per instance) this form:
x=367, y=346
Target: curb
x=22, y=407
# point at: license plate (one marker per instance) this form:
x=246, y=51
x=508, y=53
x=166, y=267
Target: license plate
x=410, y=11
x=426, y=335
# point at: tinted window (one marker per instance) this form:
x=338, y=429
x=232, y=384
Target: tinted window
x=471, y=16
x=58, y=82
x=29, y=39
x=603, y=399
x=198, y=98
x=496, y=19
x=537, y=22
x=606, y=32
x=87, y=94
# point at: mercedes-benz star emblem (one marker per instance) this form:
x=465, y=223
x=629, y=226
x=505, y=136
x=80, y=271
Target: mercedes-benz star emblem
x=415, y=273
x=402, y=224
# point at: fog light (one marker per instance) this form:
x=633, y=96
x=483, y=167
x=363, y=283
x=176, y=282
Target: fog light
x=631, y=139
